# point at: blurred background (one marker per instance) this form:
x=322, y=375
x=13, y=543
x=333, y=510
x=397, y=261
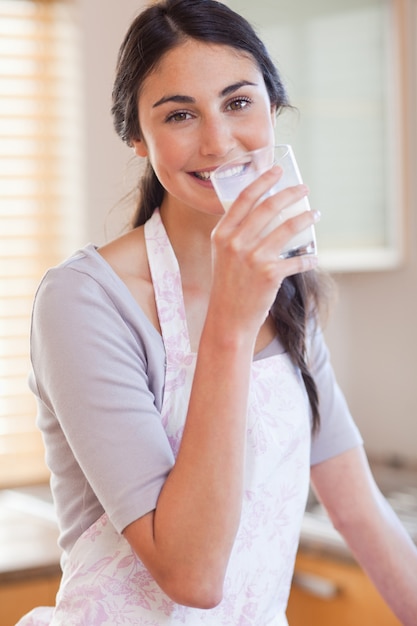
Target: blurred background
x=66, y=179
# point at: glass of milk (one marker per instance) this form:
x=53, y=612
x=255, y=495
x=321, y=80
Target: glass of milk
x=232, y=177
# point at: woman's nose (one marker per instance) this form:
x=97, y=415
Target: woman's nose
x=216, y=137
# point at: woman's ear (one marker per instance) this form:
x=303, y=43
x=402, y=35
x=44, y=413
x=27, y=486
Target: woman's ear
x=140, y=148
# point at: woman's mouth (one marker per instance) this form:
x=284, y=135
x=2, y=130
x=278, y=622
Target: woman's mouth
x=205, y=175
x=202, y=175
x=231, y=172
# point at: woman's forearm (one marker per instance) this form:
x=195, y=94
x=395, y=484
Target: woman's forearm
x=370, y=527
x=187, y=541
x=389, y=557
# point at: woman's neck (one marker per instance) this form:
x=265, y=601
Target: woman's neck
x=189, y=232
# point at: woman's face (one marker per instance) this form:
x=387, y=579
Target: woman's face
x=203, y=105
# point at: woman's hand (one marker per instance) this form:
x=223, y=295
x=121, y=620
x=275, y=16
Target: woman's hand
x=247, y=267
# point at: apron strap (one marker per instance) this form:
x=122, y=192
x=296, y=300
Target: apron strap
x=166, y=278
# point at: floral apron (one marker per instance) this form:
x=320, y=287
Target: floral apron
x=105, y=584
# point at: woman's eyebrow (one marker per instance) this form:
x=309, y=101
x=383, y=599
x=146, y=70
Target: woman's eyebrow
x=235, y=86
x=179, y=99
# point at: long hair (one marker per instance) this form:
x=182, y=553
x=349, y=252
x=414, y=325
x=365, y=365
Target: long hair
x=157, y=30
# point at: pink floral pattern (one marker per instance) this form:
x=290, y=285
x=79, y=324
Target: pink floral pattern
x=105, y=584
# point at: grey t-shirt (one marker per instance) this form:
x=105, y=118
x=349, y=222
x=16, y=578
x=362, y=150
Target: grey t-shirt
x=98, y=376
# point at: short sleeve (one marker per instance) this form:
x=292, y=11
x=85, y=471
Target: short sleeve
x=98, y=414
x=338, y=432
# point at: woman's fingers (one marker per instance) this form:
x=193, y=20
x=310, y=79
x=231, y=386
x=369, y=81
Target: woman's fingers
x=248, y=267
x=248, y=270
x=251, y=222
x=268, y=214
x=251, y=195
x=253, y=216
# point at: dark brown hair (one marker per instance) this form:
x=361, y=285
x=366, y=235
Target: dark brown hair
x=158, y=29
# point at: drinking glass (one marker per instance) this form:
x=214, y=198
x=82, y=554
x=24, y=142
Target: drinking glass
x=233, y=176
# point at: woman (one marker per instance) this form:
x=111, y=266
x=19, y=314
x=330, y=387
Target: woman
x=185, y=393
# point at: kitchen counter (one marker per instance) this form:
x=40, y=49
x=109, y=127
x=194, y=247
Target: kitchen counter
x=28, y=535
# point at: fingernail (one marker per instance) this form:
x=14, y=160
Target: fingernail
x=316, y=216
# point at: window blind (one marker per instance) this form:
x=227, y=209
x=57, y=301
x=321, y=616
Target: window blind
x=39, y=199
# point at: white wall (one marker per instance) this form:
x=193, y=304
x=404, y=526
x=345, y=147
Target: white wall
x=373, y=330
x=108, y=160
x=372, y=336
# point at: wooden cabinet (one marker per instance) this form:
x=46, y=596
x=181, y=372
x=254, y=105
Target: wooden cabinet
x=330, y=592
x=29, y=552
x=21, y=596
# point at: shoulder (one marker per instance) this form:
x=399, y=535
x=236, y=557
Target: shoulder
x=82, y=305
x=81, y=290
x=91, y=291
x=83, y=276
x=98, y=272
x=127, y=256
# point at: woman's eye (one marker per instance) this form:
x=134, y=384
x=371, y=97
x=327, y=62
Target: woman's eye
x=178, y=116
x=238, y=103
